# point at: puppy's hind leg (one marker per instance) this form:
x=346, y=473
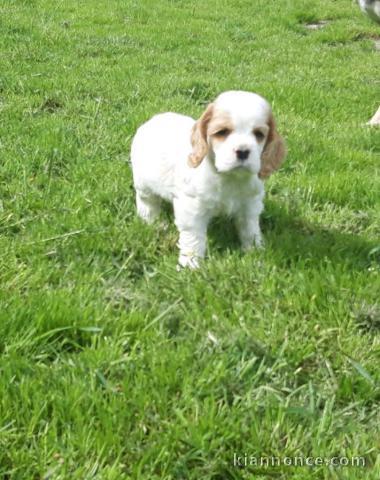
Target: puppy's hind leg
x=148, y=206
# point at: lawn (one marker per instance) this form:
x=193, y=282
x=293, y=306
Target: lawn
x=113, y=365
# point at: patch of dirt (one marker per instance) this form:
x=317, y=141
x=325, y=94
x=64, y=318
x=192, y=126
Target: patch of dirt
x=317, y=25
x=370, y=36
x=51, y=105
x=368, y=318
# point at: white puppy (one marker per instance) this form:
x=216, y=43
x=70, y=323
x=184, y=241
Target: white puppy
x=208, y=167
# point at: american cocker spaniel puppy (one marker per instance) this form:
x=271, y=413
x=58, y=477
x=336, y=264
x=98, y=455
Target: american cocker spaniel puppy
x=215, y=165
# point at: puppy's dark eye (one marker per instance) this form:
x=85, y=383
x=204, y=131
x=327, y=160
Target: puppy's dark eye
x=223, y=133
x=259, y=135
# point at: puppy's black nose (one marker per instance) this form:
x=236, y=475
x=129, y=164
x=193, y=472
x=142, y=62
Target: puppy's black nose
x=242, y=154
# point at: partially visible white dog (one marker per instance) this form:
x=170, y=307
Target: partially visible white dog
x=372, y=9
x=212, y=166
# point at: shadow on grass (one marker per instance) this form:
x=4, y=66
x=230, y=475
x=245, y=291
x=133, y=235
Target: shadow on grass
x=294, y=240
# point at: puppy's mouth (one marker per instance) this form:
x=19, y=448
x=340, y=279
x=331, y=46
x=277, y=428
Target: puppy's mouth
x=240, y=169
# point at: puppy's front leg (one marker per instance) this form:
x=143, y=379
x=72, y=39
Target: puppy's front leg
x=192, y=227
x=248, y=226
x=192, y=247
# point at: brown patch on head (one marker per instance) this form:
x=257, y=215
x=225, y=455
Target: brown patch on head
x=219, y=127
x=274, y=151
x=220, y=124
x=199, y=137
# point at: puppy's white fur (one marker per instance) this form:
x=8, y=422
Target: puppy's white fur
x=207, y=167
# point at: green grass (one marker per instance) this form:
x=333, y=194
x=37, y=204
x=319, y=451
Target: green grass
x=113, y=365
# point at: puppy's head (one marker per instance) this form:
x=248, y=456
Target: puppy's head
x=238, y=132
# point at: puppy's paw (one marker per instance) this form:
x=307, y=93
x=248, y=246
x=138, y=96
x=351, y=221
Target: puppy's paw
x=188, y=261
x=257, y=242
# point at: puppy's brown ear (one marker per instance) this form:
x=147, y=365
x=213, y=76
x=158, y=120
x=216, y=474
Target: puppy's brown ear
x=199, y=137
x=274, y=151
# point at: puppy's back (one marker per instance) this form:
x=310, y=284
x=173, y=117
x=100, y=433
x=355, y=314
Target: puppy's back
x=160, y=148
